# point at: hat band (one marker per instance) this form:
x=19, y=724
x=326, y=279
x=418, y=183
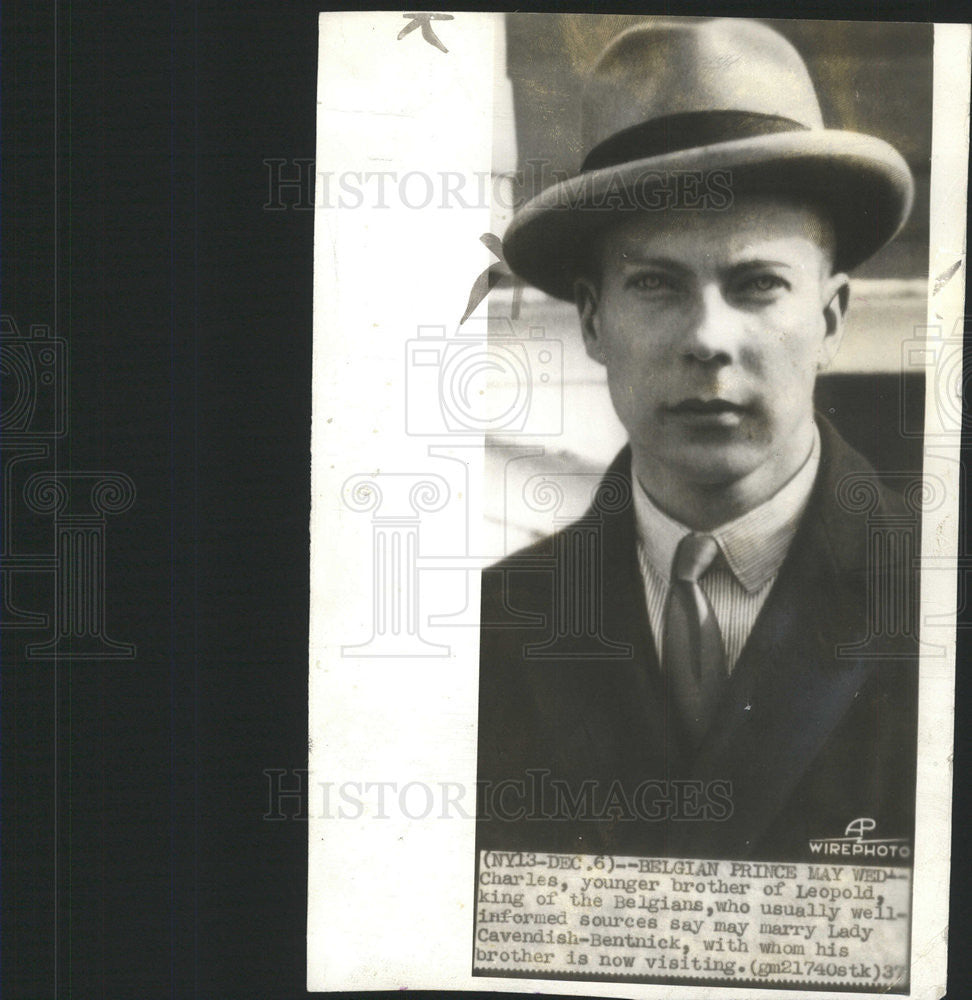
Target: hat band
x=673, y=133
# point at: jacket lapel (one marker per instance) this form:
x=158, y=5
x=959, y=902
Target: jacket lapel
x=789, y=690
x=644, y=733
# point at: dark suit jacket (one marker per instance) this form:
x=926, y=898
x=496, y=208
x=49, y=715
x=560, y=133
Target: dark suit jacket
x=578, y=751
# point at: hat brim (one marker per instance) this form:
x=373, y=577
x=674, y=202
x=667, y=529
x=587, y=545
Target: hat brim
x=861, y=181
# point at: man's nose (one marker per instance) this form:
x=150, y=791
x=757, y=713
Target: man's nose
x=713, y=330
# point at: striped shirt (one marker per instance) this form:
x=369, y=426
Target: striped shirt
x=751, y=550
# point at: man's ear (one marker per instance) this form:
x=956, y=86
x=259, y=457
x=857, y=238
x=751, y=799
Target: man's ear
x=585, y=296
x=836, y=296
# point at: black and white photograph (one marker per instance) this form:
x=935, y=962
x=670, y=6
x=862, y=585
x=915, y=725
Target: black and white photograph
x=735, y=490
x=719, y=658
x=661, y=535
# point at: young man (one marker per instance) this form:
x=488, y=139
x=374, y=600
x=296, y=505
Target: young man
x=726, y=703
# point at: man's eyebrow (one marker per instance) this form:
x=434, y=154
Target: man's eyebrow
x=671, y=264
x=637, y=260
x=753, y=263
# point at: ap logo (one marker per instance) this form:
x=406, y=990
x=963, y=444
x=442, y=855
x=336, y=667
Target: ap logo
x=858, y=827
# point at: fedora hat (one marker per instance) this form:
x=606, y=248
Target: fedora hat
x=683, y=115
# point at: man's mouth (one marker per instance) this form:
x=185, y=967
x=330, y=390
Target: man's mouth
x=706, y=407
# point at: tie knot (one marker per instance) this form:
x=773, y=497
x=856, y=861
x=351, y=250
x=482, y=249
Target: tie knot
x=693, y=557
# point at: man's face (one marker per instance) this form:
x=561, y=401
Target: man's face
x=712, y=327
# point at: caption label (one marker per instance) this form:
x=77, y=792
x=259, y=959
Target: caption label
x=664, y=918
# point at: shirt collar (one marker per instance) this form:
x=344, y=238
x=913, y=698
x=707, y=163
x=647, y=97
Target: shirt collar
x=754, y=545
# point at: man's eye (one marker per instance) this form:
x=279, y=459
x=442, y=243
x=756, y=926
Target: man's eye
x=761, y=284
x=652, y=282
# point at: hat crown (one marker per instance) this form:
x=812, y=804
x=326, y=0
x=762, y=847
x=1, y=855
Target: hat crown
x=667, y=68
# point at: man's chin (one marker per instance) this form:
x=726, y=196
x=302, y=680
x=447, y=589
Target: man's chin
x=713, y=467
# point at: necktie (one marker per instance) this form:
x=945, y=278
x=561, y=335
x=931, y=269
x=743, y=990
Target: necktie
x=692, y=654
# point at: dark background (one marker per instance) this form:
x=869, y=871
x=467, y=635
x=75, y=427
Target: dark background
x=136, y=859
